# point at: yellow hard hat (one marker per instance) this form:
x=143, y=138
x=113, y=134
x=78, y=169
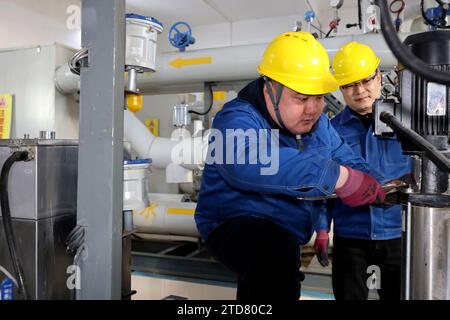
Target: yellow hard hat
x=354, y=61
x=298, y=61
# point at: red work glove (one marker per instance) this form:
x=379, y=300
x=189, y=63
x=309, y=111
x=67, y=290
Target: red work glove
x=360, y=189
x=321, y=247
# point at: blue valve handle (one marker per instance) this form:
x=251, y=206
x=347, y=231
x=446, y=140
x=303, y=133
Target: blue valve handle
x=180, y=39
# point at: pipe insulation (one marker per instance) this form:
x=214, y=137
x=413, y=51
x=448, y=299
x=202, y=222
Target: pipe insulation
x=181, y=150
x=188, y=71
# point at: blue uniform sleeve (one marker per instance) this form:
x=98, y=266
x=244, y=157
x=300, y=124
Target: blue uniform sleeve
x=344, y=155
x=285, y=171
x=324, y=219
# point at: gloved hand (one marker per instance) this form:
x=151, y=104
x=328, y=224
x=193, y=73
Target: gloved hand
x=321, y=247
x=360, y=189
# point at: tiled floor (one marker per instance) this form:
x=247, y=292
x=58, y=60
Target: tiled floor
x=151, y=287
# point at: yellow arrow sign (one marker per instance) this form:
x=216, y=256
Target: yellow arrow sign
x=180, y=62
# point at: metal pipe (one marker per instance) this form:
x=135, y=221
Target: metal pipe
x=132, y=79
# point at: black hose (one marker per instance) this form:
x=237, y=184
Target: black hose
x=402, y=53
x=359, y=15
x=7, y=221
x=430, y=151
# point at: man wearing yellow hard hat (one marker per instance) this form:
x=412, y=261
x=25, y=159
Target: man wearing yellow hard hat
x=365, y=236
x=252, y=220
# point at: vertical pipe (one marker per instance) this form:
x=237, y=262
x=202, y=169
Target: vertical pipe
x=407, y=257
x=100, y=166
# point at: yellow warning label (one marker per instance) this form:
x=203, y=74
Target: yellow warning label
x=180, y=62
x=185, y=211
x=153, y=125
x=5, y=115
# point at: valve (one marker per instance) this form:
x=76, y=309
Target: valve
x=181, y=39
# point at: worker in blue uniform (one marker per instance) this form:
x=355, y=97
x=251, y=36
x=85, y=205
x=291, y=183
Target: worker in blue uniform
x=249, y=213
x=367, y=239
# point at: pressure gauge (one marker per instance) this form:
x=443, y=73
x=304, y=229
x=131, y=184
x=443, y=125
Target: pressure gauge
x=336, y=3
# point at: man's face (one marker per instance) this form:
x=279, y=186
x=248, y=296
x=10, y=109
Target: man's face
x=299, y=112
x=361, y=95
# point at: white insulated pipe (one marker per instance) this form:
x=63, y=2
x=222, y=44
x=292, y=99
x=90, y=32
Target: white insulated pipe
x=188, y=71
x=187, y=152
x=145, y=143
x=66, y=82
x=167, y=214
x=236, y=63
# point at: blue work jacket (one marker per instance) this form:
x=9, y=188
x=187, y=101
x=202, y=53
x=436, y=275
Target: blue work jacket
x=383, y=154
x=231, y=190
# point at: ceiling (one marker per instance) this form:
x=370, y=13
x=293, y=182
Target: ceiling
x=206, y=12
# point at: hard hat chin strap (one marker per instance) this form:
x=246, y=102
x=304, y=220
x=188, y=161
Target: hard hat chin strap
x=276, y=101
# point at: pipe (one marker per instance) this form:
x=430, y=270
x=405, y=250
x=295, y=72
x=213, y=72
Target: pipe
x=145, y=143
x=430, y=151
x=187, y=152
x=167, y=214
x=131, y=83
x=66, y=82
x=188, y=71
x=237, y=63
x=405, y=57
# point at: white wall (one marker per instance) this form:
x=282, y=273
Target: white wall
x=236, y=33
x=32, y=22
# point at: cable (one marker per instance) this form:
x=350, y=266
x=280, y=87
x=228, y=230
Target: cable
x=430, y=151
x=9, y=275
x=75, y=61
x=359, y=15
x=398, y=11
x=210, y=105
x=390, y=80
x=403, y=54
x=7, y=221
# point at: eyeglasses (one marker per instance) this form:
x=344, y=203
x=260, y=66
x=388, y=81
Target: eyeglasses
x=364, y=82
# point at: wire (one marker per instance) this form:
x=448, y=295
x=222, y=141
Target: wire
x=210, y=105
x=359, y=15
x=9, y=275
x=398, y=21
x=390, y=80
x=7, y=220
x=75, y=61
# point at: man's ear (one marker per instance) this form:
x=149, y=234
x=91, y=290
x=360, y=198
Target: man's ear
x=379, y=76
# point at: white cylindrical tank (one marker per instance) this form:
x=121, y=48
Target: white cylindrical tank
x=141, y=37
x=135, y=184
